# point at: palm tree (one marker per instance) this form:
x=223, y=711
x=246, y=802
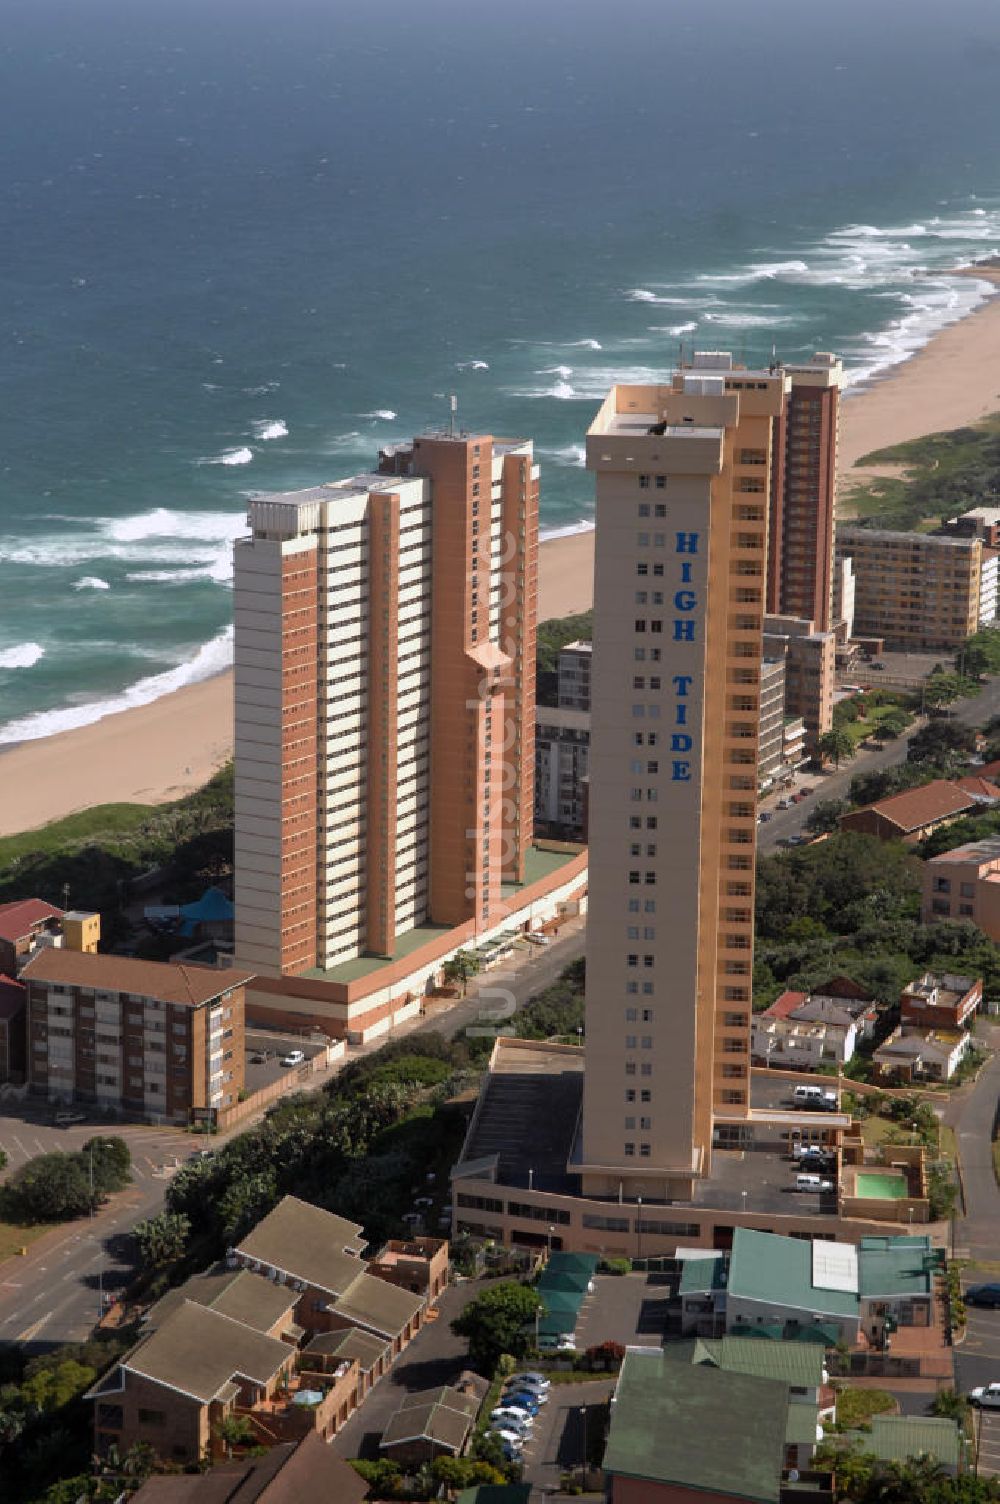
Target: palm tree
x=837, y=744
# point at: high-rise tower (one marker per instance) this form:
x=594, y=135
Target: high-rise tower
x=682, y=480
x=803, y=494
x=385, y=673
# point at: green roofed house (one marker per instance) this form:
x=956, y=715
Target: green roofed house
x=793, y=1287
x=680, y=1430
x=898, y=1438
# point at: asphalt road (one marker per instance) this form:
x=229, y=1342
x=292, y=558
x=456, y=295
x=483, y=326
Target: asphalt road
x=52, y=1294
x=835, y=782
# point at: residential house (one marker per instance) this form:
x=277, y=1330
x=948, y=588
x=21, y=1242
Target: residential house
x=430, y=1423
x=786, y=1287
x=13, y=1029
x=941, y=1002
x=29, y=924
x=964, y=884
x=693, y=1430
x=803, y=1031
x=419, y=1264
x=157, y=1040
x=324, y=1353
x=319, y=1255
x=304, y=1472
x=913, y=814
x=917, y=1054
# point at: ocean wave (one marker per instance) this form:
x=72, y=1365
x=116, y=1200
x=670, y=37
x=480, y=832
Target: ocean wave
x=91, y=582
x=262, y=390
x=938, y=305
x=472, y=365
x=200, y=541
x=566, y=454
x=270, y=428
x=568, y=530
x=240, y=456
x=563, y=372
x=211, y=658
x=674, y=329
x=739, y=318
x=585, y=344
x=165, y=522
x=386, y=414
x=23, y=655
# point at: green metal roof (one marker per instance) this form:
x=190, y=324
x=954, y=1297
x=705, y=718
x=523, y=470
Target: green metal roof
x=798, y=1363
x=894, y=1438
x=699, y=1276
x=560, y=1300
x=776, y=1270
x=565, y=1281
x=697, y=1427
x=896, y=1266
x=802, y=1423
x=572, y=1263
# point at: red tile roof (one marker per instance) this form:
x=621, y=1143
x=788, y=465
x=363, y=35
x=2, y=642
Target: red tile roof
x=937, y=800
x=168, y=981
x=18, y=918
x=785, y=1004
x=12, y=996
x=980, y=787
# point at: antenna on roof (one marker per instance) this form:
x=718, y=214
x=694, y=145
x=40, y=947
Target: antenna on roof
x=774, y=356
x=454, y=409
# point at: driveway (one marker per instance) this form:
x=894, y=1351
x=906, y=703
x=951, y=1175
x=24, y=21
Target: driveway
x=434, y=1357
x=563, y=1429
x=629, y=1308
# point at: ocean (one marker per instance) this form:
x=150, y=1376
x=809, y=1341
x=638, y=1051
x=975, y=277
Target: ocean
x=243, y=243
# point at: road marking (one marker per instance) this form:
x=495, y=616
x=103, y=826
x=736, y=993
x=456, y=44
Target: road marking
x=20, y=1145
x=32, y=1331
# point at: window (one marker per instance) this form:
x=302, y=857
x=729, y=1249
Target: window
x=644, y=1151
x=630, y=1151
x=152, y=1417
x=629, y=1125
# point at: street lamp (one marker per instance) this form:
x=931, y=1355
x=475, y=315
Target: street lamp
x=548, y=1241
x=638, y=1229
x=583, y=1469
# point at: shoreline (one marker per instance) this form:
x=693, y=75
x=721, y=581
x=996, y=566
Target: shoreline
x=161, y=751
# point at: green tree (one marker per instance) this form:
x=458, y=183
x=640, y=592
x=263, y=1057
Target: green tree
x=111, y=1161
x=891, y=726
x=234, y=1431
x=162, y=1239
x=499, y=1320
x=939, y=742
x=825, y=815
x=51, y=1388
x=461, y=966
x=837, y=745
x=950, y=1404
x=50, y=1188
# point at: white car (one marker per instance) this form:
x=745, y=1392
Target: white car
x=987, y=1395
x=505, y=1419
x=528, y=1381
x=512, y=1439
x=294, y=1057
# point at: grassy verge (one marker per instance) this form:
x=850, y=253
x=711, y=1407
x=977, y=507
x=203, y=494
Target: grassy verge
x=14, y=1237
x=855, y=1407
x=941, y=474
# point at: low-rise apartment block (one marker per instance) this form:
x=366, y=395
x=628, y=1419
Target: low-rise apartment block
x=13, y=1054
x=562, y=761
x=575, y=661
x=304, y=1472
x=916, y=590
x=964, y=884
x=941, y=1002
x=290, y=1335
x=157, y=1040
x=804, y=1031
x=810, y=671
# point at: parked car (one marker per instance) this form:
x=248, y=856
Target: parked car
x=258, y=1058
x=814, y=1096
x=537, y=938
x=805, y=792
x=764, y=816
x=811, y=1182
x=987, y=1396
x=512, y=1399
x=530, y=1381
x=784, y=804
x=294, y=1057
x=983, y=1295
x=505, y=1419
x=809, y=1153
x=64, y=1119
x=510, y=1439
x=878, y=665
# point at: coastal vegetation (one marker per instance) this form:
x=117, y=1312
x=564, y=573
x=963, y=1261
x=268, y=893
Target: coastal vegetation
x=92, y=858
x=940, y=475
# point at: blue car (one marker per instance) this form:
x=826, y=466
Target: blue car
x=520, y=1399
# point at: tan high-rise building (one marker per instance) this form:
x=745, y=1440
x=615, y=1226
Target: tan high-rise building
x=803, y=494
x=682, y=479
x=385, y=687
x=914, y=590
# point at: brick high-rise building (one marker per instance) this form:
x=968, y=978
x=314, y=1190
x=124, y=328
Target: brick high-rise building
x=385, y=688
x=682, y=475
x=802, y=494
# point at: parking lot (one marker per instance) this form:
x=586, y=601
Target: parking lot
x=977, y=1361
x=31, y=1132
x=630, y=1308
x=562, y=1431
x=265, y=1050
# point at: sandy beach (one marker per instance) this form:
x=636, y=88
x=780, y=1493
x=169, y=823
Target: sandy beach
x=161, y=751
